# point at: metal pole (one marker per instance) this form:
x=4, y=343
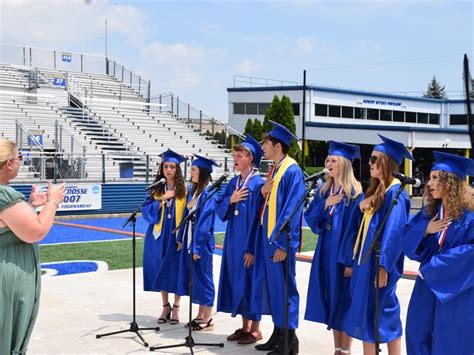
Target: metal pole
x=24, y=56
x=54, y=59
x=31, y=58
x=147, y=174
x=303, y=118
x=200, y=120
x=103, y=168
x=106, y=38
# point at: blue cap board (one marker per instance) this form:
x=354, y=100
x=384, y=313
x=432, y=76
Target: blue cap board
x=173, y=157
x=257, y=152
x=345, y=150
x=281, y=133
x=204, y=163
x=453, y=164
x=395, y=150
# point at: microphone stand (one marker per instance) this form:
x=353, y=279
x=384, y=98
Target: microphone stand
x=189, y=341
x=286, y=227
x=134, y=328
x=375, y=246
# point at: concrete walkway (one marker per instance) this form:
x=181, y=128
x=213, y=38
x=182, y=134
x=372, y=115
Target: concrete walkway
x=75, y=308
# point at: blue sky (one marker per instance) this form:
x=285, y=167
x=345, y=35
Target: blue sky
x=194, y=48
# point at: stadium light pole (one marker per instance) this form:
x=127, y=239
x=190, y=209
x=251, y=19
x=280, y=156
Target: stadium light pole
x=303, y=119
x=105, y=38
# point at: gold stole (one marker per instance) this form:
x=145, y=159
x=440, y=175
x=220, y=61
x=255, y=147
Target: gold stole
x=179, y=211
x=364, y=227
x=272, y=202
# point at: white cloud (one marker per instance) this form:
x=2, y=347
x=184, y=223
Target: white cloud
x=305, y=44
x=172, y=53
x=184, y=79
x=247, y=67
x=65, y=24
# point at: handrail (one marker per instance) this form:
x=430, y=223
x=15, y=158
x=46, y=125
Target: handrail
x=203, y=114
x=22, y=128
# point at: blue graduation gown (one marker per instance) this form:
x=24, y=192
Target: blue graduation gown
x=268, y=285
x=360, y=317
x=235, y=285
x=204, y=246
x=328, y=289
x=160, y=256
x=440, y=317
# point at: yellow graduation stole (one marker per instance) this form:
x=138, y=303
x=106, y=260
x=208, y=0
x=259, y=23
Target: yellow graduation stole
x=364, y=227
x=179, y=211
x=271, y=199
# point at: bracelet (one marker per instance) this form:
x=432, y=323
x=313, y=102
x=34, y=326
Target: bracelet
x=52, y=201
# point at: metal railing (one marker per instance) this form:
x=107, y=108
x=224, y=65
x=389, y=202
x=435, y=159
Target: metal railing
x=251, y=81
x=129, y=78
x=185, y=111
x=73, y=62
x=25, y=138
x=40, y=166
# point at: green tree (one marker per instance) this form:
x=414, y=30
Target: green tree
x=257, y=129
x=287, y=119
x=272, y=114
x=249, y=127
x=435, y=90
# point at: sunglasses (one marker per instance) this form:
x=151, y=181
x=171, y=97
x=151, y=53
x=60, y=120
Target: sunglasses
x=372, y=159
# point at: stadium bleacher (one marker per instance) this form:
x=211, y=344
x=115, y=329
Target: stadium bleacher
x=94, y=121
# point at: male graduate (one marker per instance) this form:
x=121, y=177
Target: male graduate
x=282, y=190
x=240, y=205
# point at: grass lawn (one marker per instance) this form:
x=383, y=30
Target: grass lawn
x=118, y=254
x=309, y=240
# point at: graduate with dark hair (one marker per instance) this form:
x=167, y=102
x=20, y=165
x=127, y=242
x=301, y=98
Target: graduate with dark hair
x=239, y=205
x=282, y=190
x=201, y=232
x=164, y=210
x=360, y=317
x=334, y=215
x=440, y=317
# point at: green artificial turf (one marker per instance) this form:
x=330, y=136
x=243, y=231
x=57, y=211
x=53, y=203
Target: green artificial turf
x=118, y=254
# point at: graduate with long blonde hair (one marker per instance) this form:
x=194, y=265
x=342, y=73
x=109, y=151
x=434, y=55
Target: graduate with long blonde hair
x=334, y=215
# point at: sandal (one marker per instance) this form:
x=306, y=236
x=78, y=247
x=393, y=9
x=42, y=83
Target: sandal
x=168, y=316
x=203, y=326
x=174, y=321
x=192, y=322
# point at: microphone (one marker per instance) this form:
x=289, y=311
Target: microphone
x=317, y=175
x=218, y=182
x=155, y=184
x=406, y=180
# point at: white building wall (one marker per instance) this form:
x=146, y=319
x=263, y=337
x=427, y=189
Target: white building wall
x=362, y=131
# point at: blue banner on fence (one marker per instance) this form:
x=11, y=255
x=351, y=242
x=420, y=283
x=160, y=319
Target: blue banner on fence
x=66, y=57
x=59, y=82
x=38, y=139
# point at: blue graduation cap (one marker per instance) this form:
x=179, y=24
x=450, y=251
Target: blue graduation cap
x=395, y=150
x=173, y=157
x=345, y=150
x=281, y=133
x=257, y=152
x=453, y=164
x=204, y=163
